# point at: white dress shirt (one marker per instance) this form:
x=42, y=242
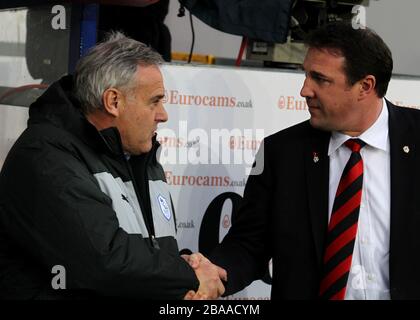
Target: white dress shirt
x=369, y=273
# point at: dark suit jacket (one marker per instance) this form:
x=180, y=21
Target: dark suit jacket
x=284, y=214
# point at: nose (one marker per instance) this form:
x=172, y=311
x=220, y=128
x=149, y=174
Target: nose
x=306, y=90
x=161, y=114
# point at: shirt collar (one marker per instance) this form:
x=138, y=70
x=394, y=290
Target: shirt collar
x=376, y=136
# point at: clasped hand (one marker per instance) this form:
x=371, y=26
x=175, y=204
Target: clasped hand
x=209, y=275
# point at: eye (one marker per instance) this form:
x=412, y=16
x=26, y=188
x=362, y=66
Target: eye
x=320, y=80
x=155, y=102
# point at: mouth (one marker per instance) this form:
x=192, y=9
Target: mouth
x=312, y=104
x=313, y=107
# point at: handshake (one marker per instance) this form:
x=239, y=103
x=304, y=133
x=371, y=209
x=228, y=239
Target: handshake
x=209, y=275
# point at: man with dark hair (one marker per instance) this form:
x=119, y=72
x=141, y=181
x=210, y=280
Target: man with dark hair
x=81, y=190
x=335, y=207
x=364, y=52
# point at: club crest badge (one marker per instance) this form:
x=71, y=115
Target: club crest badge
x=164, y=207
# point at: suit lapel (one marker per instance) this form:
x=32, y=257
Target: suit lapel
x=402, y=154
x=317, y=184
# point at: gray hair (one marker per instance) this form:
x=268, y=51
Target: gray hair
x=110, y=64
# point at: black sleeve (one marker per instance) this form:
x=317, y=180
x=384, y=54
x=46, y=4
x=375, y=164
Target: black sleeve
x=244, y=252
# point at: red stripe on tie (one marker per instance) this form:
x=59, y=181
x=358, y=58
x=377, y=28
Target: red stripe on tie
x=340, y=242
x=339, y=295
x=337, y=238
x=354, y=144
x=345, y=210
x=335, y=274
x=352, y=175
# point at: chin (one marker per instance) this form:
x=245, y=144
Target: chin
x=145, y=149
x=313, y=123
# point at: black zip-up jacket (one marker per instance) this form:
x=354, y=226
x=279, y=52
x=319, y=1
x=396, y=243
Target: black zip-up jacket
x=69, y=197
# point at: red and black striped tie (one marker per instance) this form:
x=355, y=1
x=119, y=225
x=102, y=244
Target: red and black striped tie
x=342, y=227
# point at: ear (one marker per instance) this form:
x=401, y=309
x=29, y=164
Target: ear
x=112, y=100
x=367, y=86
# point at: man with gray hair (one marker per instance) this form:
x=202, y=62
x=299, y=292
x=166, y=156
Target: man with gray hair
x=82, y=193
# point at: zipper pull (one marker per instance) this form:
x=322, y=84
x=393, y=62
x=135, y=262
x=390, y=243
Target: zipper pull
x=155, y=243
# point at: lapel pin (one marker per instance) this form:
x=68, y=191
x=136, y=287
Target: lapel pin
x=406, y=149
x=315, y=157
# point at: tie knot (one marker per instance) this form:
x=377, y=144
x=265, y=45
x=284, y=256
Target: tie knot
x=354, y=144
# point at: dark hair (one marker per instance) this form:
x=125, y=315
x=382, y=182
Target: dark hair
x=364, y=51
